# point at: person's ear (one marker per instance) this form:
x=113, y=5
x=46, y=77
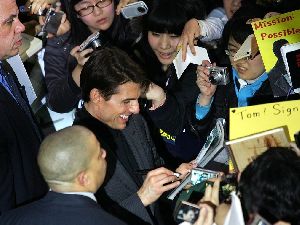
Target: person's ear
x=83, y=179
x=95, y=96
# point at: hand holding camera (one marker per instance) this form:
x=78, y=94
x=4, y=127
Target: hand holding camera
x=81, y=56
x=207, y=89
x=203, y=212
x=123, y=3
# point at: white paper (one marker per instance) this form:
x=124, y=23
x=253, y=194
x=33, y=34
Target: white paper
x=20, y=71
x=235, y=213
x=30, y=46
x=180, y=66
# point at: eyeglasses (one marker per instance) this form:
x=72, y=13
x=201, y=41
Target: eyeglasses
x=89, y=9
x=232, y=54
x=229, y=53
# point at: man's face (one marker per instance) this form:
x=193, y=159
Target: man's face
x=10, y=29
x=247, y=69
x=116, y=111
x=98, y=164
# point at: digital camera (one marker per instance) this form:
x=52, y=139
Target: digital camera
x=134, y=9
x=199, y=175
x=52, y=22
x=186, y=211
x=94, y=41
x=218, y=75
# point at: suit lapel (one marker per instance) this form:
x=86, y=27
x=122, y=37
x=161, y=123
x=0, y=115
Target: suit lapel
x=135, y=139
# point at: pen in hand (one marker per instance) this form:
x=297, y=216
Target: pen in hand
x=145, y=171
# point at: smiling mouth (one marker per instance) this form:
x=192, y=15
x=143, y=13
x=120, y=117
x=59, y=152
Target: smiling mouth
x=165, y=55
x=124, y=117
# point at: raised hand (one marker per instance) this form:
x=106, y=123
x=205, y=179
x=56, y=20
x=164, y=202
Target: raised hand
x=207, y=90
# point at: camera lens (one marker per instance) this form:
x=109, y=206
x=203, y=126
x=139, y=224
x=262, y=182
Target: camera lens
x=96, y=43
x=214, y=78
x=141, y=9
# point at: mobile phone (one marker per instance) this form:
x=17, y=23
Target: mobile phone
x=134, y=10
x=199, y=175
x=187, y=212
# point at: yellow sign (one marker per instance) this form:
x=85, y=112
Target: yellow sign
x=267, y=31
x=244, y=121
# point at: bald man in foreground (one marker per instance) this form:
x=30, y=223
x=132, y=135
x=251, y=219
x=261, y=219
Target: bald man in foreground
x=74, y=166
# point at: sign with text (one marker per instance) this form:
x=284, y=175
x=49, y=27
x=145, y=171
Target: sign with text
x=244, y=121
x=269, y=30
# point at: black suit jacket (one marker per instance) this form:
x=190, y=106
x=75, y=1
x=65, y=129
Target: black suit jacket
x=119, y=190
x=20, y=179
x=60, y=209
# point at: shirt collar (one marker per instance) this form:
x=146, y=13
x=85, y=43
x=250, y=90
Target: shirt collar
x=87, y=194
x=243, y=83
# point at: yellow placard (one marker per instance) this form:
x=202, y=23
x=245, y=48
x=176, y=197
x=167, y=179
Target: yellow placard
x=244, y=121
x=267, y=31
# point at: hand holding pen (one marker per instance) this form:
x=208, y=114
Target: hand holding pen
x=156, y=183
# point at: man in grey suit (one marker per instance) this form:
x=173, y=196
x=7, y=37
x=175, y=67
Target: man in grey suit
x=111, y=84
x=73, y=164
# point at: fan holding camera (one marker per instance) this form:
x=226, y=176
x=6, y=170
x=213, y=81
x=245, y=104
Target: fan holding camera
x=249, y=83
x=66, y=54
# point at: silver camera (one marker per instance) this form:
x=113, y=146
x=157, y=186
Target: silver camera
x=134, y=9
x=218, y=75
x=93, y=41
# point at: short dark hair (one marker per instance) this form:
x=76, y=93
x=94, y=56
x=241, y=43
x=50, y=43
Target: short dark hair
x=106, y=69
x=270, y=185
x=237, y=27
x=277, y=45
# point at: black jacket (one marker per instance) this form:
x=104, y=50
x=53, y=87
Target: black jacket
x=20, y=179
x=60, y=209
x=119, y=190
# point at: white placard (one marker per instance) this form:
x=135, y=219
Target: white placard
x=180, y=66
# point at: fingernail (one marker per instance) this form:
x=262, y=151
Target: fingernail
x=177, y=174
